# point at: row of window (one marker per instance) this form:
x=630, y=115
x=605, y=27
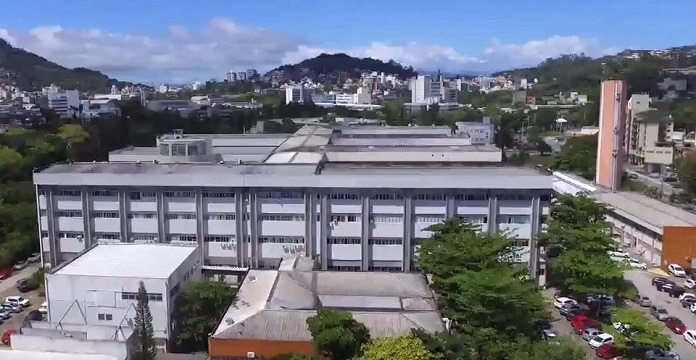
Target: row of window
x=358, y=241
x=219, y=239
x=184, y=238
x=281, y=240
x=134, y=296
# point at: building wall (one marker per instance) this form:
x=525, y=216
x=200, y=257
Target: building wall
x=678, y=246
x=224, y=349
x=345, y=229
x=612, y=120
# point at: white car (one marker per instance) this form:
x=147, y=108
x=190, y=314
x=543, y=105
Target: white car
x=558, y=303
x=686, y=295
x=689, y=283
x=600, y=340
x=36, y=257
x=690, y=337
x=18, y=300
x=676, y=270
x=618, y=253
x=43, y=308
x=635, y=264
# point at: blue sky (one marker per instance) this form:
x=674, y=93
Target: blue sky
x=461, y=35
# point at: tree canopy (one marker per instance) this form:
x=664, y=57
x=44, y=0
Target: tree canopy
x=202, y=305
x=336, y=334
x=405, y=347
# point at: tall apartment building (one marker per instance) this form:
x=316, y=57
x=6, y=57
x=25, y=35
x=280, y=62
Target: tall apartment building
x=354, y=197
x=64, y=103
x=610, y=143
x=298, y=94
x=432, y=89
x=648, y=135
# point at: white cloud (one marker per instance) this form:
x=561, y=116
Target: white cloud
x=186, y=54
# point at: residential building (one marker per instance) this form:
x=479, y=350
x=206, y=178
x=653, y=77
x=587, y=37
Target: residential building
x=481, y=133
x=426, y=89
x=612, y=123
x=354, y=197
x=64, y=103
x=649, y=135
x=389, y=304
x=298, y=94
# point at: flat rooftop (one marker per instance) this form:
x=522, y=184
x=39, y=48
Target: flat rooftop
x=647, y=210
x=147, y=261
x=7, y=354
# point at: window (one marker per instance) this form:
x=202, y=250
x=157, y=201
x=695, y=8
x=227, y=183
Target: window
x=513, y=219
x=181, y=216
x=345, y=218
x=105, y=215
x=344, y=196
x=181, y=194
x=474, y=219
x=105, y=317
x=387, y=197
x=515, y=197
x=103, y=193
x=281, y=195
x=70, y=214
x=218, y=194
x=545, y=197
x=135, y=195
x=386, y=241
x=144, y=237
x=219, y=239
x=281, y=217
x=68, y=193
x=431, y=197
x=44, y=234
x=134, y=296
x=388, y=218
x=471, y=197
x=109, y=317
x=520, y=243
x=220, y=217
x=142, y=216
x=183, y=238
x=385, y=268
x=281, y=239
x=430, y=218
x=107, y=236
x=343, y=241
x=70, y=235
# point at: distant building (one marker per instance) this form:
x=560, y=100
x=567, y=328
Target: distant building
x=298, y=94
x=648, y=135
x=481, y=133
x=612, y=122
x=64, y=103
x=425, y=88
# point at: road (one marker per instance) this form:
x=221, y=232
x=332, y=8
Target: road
x=9, y=283
x=553, y=143
x=643, y=280
x=647, y=180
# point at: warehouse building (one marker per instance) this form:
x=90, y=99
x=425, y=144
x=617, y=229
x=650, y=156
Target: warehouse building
x=354, y=198
x=100, y=285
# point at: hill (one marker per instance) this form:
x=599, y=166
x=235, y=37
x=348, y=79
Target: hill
x=29, y=72
x=642, y=69
x=333, y=64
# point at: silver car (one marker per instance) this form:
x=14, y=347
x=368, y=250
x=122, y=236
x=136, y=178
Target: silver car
x=659, y=312
x=590, y=333
x=643, y=301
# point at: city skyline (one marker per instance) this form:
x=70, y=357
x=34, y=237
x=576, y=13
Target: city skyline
x=158, y=41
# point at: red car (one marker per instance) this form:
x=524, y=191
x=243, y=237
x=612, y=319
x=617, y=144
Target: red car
x=582, y=322
x=5, y=273
x=607, y=351
x=6, y=336
x=676, y=325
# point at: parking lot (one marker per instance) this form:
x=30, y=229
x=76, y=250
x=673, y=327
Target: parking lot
x=643, y=280
x=7, y=288
x=563, y=328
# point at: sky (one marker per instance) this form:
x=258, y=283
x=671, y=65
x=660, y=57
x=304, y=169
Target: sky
x=183, y=40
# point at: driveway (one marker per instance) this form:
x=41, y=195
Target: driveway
x=9, y=283
x=643, y=280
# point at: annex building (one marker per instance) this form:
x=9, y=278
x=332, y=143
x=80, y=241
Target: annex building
x=352, y=197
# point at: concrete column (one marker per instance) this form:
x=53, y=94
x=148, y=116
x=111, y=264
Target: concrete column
x=408, y=233
x=254, y=228
x=53, y=238
x=38, y=222
x=241, y=226
x=161, y=217
x=533, y=241
x=450, y=209
x=365, y=233
x=324, y=231
x=87, y=217
x=123, y=199
x=492, y=213
x=310, y=222
x=200, y=223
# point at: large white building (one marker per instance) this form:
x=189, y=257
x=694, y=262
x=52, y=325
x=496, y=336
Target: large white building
x=354, y=198
x=64, y=102
x=100, y=285
x=298, y=94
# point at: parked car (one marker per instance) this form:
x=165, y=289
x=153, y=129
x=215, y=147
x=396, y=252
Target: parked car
x=589, y=333
x=692, y=308
x=676, y=270
x=665, y=285
x=582, y=322
x=676, y=325
x=44, y=308
x=658, y=279
x=689, y=283
x=675, y=291
x=643, y=301
x=649, y=352
x=571, y=313
x=566, y=308
x=659, y=312
x=23, y=285
x=34, y=315
x=635, y=264
x=618, y=253
x=34, y=258
x=690, y=337
x=21, y=265
x=687, y=301
x=18, y=300
x=608, y=351
x=686, y=295
x=602, y=299
x=10, y=307
x=5, y=273
x=6, y=336
x=5, y=314
x=559, y=302
x=600, y=340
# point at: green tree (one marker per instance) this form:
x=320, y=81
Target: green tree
x=446, y=345
x=639, y=329
x=10, y=162
x=401, y=347
x=144, y=347
x=202, y=306
x=559, y=349
x=686, y=172
x=74, y=137
x=579, y=154
x=336, y=334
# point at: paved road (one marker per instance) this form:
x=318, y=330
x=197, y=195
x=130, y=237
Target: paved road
x=647, y=180
x=9, y=283
x=642, y=280
x=553, y=143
